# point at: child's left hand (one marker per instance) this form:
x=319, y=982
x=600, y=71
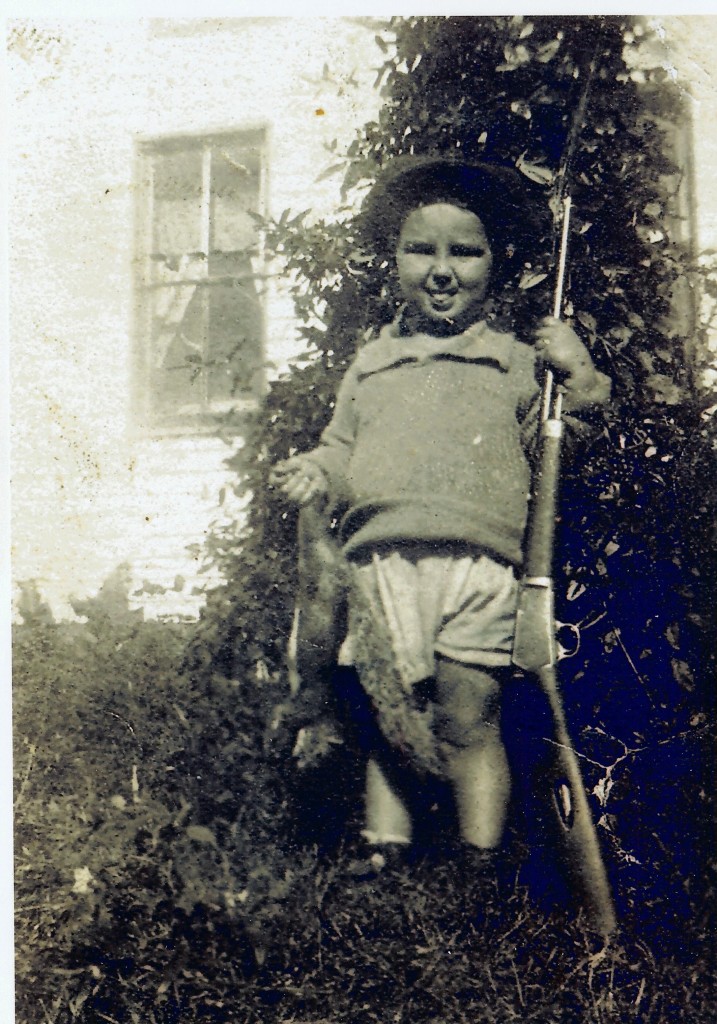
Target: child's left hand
x=558, y=346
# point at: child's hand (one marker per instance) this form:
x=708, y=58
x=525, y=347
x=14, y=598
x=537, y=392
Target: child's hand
x=559, y=347
x=300, y=479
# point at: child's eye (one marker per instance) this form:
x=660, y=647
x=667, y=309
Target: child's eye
x=418, y=248
x=467, y=251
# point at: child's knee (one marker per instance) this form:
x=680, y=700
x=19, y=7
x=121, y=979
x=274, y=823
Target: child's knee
x=467, y=706
x=465, y=729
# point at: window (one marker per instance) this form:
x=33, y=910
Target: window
x=200, y=278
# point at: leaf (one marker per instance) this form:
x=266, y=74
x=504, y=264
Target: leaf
x=548, y=51
x=521, y=108
x=587, y=320
x=683, y=674
x=531, y=278
x=514, y=58
x=673, y=635
x=517, y=55
x=536, y=172
x=201, y=834
x=329, y=171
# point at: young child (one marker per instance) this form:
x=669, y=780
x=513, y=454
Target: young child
x=429, y=449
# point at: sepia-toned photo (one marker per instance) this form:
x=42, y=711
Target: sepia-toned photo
x=363, y=431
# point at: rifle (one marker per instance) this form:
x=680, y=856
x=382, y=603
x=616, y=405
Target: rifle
x=535, y=648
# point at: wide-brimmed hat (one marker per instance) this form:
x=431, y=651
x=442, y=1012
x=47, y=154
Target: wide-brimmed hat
x=508, y=205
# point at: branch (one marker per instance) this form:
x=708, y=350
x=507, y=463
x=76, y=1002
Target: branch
x=633, y=666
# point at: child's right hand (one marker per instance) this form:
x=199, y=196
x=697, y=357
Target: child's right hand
x=300, y=479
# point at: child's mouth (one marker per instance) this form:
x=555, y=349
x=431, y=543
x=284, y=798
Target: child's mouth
x=441, y=300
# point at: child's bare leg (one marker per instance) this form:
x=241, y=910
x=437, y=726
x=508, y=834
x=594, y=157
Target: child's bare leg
x=469, y=723
x=387, y=820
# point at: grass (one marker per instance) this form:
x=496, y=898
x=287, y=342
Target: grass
x=173, y=864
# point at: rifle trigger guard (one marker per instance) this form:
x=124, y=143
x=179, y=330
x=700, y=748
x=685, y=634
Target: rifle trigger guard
x=563, y=652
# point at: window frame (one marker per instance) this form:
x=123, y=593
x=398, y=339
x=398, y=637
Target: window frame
x=147, y=419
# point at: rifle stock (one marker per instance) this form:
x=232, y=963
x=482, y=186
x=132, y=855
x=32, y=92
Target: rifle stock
x=572, y=811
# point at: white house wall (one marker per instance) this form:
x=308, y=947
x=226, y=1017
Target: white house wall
x=89, y=493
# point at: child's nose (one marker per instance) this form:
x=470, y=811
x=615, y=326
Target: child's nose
x=441, y=269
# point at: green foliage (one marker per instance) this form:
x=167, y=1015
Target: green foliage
x=137, y=798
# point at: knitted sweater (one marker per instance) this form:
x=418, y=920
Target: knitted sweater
x=431, y=440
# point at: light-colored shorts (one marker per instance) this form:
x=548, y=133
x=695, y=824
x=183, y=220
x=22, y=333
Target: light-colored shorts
x=461, y=606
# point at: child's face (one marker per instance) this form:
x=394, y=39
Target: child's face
x=444, y=262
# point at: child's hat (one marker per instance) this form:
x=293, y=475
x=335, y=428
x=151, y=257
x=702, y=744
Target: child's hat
x=505, y=202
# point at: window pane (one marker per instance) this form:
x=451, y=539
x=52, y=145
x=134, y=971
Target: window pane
x=235, y=183
x=178, y=201
x=234, y=337
x=179, y=342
